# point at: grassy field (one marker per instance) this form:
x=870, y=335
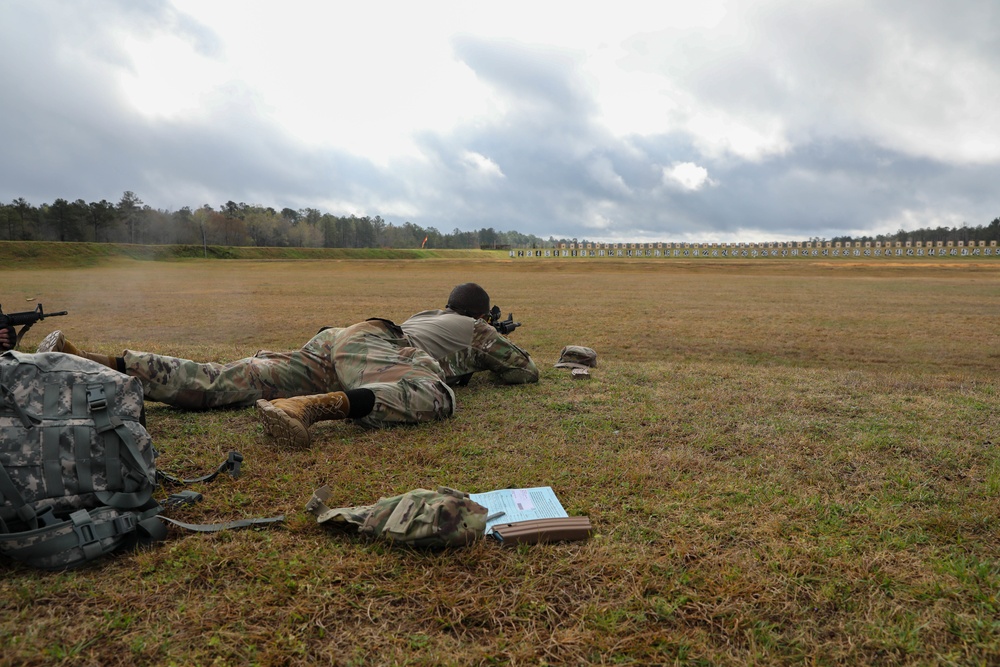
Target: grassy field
x=785, y=462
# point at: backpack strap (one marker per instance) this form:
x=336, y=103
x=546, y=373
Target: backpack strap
x=113, y=431
x=83, y=537
x=20, y=334
x=229, y=525
x=230, y=465
x=9, y=493
x=8, y=400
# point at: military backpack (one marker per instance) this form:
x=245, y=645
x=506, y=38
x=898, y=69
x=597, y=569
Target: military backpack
x=77, y=466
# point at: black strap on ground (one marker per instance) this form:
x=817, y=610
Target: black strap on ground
x=230, y=465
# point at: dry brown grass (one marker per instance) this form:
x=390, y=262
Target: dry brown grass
x=786, y=462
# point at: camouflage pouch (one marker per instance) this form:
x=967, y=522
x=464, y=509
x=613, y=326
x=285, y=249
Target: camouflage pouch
x=419, y=518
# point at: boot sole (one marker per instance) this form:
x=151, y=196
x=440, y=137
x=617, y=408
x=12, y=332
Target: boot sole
x=54, y=342
x=281, y=429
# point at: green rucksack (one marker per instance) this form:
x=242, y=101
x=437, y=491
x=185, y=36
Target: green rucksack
x=77, y=466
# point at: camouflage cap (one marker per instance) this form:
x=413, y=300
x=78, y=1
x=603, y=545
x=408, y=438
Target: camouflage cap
x=575, y=356
x=419, y=518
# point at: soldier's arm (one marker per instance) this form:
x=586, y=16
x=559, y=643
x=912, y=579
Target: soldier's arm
x=499, y=354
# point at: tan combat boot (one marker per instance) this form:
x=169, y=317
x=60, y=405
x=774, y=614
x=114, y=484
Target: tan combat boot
x=286, y=421
x=56, y=342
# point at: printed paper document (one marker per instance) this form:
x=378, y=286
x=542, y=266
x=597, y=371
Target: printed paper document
x=519, y=505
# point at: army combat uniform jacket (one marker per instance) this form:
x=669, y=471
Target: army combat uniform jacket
x=462, y=345
x=396, y=363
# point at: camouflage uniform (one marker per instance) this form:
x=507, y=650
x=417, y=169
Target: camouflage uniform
x=462, y=346
x=408, y=384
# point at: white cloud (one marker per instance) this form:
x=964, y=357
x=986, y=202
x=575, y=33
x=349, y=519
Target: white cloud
x=342, y=75
x=741, y=78
x=687, y=175
x=934, y=100
x=167, y=78
x=480, y=169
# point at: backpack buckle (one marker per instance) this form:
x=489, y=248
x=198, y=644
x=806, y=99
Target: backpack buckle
x=46, y=517
x=96, y=398
x=186, y=497
x=124, y=524
x=83, y=526
x=233, y=462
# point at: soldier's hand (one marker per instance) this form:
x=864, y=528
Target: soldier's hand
x=6, y=340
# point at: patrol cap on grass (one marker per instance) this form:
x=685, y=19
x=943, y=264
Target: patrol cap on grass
x=420, y=518
x=576, y=356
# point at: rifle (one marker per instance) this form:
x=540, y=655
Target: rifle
x=24, y=320
x=503, y=327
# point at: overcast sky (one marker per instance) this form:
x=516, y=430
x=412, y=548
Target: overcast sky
x=658, y=120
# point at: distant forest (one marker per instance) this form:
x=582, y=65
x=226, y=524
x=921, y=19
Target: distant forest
x=232, y=224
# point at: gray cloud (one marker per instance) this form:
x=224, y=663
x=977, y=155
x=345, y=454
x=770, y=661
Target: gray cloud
x=833, y=76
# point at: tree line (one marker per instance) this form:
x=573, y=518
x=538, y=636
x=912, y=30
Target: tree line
x=232, y=224
x=129, y=220
x=966, y=233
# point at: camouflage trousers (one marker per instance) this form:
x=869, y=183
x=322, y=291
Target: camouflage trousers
x=408, y=384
